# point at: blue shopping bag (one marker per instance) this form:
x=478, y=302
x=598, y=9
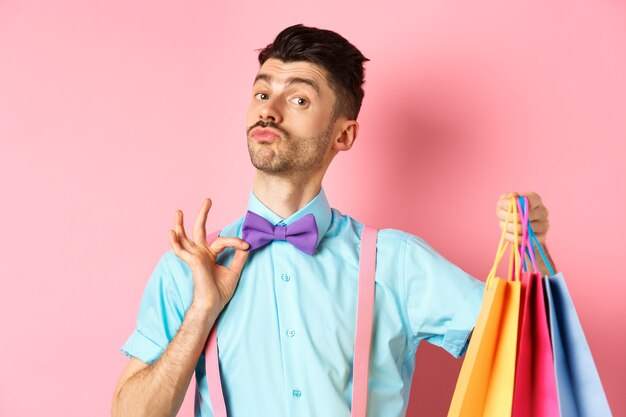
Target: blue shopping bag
x=579, y=387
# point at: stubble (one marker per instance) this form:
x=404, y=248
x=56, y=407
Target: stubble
x=289, y=154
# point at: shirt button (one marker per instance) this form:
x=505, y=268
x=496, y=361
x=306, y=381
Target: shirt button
x=296, y=393
x=286, y=277
x=291, y=332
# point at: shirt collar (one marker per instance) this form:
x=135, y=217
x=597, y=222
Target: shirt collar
x=319, y=207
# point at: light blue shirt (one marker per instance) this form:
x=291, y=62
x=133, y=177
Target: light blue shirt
x=286, y=339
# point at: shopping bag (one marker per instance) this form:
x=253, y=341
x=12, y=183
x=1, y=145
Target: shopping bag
x=485, y=383
x=535, y=392
x=580, y=392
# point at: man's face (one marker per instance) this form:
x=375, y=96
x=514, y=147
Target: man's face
x=289, y=123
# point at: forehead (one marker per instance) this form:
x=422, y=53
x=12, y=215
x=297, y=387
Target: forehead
x=281, y=72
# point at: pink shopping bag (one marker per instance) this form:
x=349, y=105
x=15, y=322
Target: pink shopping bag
x=535, y=392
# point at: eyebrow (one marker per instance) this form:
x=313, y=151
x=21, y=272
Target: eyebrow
x=290, y=81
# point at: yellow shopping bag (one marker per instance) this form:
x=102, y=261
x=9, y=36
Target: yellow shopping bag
x=485, y=383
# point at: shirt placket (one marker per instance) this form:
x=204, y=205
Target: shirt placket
x=290, y=325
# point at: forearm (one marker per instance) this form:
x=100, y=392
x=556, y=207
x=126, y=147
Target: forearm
x=159, y=389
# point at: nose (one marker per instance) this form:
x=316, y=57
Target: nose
x=269, y=111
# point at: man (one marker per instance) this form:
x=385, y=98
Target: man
x=286, y=321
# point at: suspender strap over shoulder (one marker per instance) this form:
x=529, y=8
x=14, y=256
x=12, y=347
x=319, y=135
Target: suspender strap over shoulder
x=363, y=337
x=214, y=380
x=365, y=315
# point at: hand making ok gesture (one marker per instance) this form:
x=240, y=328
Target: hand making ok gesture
x=213, y=284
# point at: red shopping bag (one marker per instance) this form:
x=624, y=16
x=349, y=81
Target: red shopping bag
x=535, y=391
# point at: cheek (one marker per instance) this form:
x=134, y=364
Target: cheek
x=315, y=122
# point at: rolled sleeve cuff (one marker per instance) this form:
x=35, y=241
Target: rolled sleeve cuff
x=456, y=338
x=142, y=347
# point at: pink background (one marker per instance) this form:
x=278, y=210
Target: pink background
x=114, y=114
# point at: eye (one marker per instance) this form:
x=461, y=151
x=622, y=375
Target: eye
x=300, y=101
x=261, y=96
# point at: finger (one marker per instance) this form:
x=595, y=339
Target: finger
x=239, y=260
x=176, y=247
x=509, y=195
x=180, y=231
x=511, y=237
x=533, y=199
x=199, y=229
x=503, y=214
x=504, y=199
x=540, y=227
x=222, y=243
x=511, y=227
x=539, y=213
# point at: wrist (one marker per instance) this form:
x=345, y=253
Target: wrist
x=204, y=311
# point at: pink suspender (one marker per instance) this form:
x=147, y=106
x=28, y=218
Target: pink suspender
x=214, y=380
x=365, y=313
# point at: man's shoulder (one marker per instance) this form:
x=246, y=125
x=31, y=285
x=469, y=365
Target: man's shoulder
x=399, y=241
x=386, y=236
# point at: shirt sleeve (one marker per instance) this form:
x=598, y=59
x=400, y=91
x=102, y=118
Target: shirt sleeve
x=442, y=300
x=161, y=312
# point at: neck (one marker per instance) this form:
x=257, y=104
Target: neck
x=284, y=196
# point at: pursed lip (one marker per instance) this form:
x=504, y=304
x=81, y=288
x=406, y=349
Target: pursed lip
x=261, y=134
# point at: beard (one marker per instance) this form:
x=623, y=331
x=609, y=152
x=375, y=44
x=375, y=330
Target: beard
x=289, y=153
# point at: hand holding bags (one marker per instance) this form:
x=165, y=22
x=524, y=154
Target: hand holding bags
x=485, y=383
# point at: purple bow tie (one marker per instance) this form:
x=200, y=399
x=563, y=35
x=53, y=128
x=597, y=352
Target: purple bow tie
x=259, y=232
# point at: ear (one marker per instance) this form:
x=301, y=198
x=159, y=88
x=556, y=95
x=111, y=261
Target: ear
x=348, y=130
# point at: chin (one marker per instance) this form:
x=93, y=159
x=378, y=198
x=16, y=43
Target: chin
x=262, y=162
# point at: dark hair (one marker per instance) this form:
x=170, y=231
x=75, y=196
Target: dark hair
x=341, y=60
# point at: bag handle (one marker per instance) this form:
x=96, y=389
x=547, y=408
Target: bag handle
x=533, y=240
x=502, y=247
x=526, y=248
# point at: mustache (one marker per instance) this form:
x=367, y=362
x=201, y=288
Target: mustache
x=271, y=124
